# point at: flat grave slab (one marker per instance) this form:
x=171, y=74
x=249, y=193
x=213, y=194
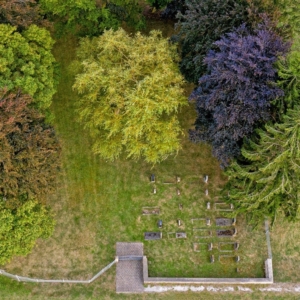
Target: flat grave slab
x=152, y=235
x=226, y=232
x=150, y=211
x=180, y=235
x=225, y=221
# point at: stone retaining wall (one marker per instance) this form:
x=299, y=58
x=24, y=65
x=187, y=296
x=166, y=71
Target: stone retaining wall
x=177, y=280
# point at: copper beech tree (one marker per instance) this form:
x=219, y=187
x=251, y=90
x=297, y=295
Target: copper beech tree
x=29, y=151
x=21, y=13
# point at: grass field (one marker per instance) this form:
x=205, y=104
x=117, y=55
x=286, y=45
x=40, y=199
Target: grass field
x=98, y=203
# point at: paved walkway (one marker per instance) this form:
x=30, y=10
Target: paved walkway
x=129, y=277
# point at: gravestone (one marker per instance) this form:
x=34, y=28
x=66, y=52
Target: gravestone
x=152, y=235
x=152, y=178
x=225, y=221
x=180, y=235
x=150, y=211
x=205, y=178
x=159, y=223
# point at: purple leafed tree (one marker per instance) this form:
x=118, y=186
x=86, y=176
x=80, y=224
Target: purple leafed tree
x=236, y=93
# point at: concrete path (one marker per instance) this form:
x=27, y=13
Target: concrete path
x=129, y=278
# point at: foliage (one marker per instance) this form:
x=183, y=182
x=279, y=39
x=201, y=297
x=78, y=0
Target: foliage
x=128, y=11
x=200, y=26
x=275, y=10
x=90, y=17
x=235, y=95
x=29, y=150
x=268, y=179
x=21, y=227
x=173, y=8
x=259, y=8
x=131, y=90
x=27, y=63
x=158, y=3
x=20, y=13
x=289, y=80
x=290, y=14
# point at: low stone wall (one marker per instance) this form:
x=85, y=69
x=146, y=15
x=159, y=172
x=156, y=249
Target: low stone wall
x=176, y=280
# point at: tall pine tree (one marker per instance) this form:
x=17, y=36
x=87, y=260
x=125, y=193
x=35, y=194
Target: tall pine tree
x=268, y=180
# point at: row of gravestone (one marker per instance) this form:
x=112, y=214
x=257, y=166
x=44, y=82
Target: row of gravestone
x=178, y=179
x=154, y=210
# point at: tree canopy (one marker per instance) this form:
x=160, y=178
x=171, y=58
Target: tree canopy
x=90, y=17
x=29, y=151
x=289, y=81
x=203, y=23
x=27, y=63
x=290, y=14
x=158, y=3
x=236, y=94
x=131, y=90
x=266, y=181
x=21, y=227
x=20, y=13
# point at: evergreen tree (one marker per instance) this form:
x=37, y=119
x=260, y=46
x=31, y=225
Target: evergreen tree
x=203, y=23
x=267, y=180
x=289, y=81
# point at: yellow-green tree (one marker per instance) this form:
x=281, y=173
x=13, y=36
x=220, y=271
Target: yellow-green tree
x=27, y=63
x=131, y=92
x=21, y=227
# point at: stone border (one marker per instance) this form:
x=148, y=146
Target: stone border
x=177, y=280
x=269, y=279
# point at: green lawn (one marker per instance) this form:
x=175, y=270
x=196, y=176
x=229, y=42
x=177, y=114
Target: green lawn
x=98, y=203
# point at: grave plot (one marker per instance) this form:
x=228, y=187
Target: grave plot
x=201, y=222
x=225, y=259
x=202, y=247
x=152, y=235
x=226, y=232
x=177, y=235
x=173, y=180
x=222, y=206
x=202, y=233
x=150, y=210
x=228, y=246
x=171, y=235
x=180, y=235
x=225, y=221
